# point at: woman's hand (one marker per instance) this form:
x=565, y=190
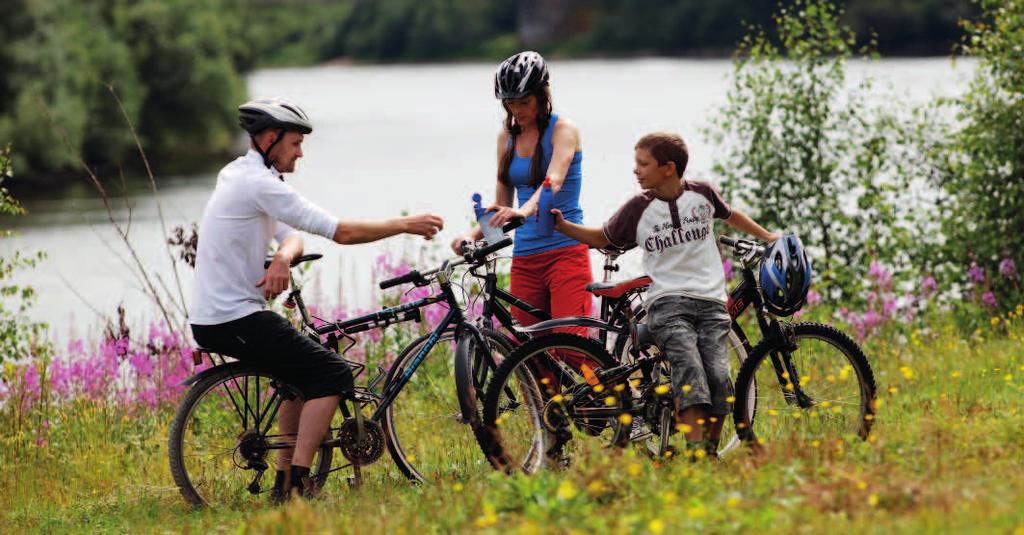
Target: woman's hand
x=459, y=240
x=504, y=214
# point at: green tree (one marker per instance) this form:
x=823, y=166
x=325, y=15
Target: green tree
x=806, y=153
x=185, y=53
x=18, y=337
x=59, y=58
x=981, y=168
x=418, y=29
x=173, y=63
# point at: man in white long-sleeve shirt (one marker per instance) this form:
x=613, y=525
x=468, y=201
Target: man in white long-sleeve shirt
x=251, y=205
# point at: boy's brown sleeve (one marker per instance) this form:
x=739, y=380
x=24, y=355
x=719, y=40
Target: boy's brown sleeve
x=621, y=228
x=722, y=208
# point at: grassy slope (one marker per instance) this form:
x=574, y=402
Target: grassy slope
x=948, y=447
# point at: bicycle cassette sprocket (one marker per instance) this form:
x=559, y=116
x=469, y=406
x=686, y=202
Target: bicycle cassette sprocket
x=361, y=451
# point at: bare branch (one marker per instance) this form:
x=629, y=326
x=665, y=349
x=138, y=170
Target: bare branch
x=156, y=196
x=79, y=296
x=150, y=288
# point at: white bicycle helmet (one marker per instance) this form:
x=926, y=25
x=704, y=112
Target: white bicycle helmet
x=258, y=115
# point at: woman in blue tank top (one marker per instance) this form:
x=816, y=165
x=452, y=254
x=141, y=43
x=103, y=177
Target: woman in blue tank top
x=549, y=272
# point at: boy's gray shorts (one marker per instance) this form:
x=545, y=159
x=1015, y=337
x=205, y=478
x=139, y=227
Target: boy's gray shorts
x=694, y=335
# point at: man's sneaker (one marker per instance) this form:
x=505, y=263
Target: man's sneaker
x=279, y=492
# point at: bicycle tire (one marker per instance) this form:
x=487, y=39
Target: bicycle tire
x=187, y=482
x=401, y=453
x=749, y=403
x=491, y=438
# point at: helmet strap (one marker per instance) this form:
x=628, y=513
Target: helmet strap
x=266, y=154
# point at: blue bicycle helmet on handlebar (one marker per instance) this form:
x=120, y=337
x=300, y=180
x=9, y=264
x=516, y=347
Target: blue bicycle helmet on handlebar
x=785, y=276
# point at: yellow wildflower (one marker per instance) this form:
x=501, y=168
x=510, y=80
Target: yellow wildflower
x=633, y=469
x=656, y=526
x=566, y=491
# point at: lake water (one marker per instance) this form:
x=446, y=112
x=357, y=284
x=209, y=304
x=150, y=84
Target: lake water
x=410, y=138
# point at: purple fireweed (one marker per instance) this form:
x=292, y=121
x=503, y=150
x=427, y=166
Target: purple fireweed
x=989, y=299
x=929, y=286
x=1008, y=269
x=727, y=267
x=889, y=307
x=976, y=274
x=882, y=276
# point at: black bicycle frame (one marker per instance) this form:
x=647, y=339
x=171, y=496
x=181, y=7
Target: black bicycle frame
x=747, y=294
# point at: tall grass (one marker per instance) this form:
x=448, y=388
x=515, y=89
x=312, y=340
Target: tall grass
x=944, y=456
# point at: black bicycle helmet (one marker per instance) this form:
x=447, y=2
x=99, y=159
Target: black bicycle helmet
x=519, y=75
x=256, y=116
x=785, y=276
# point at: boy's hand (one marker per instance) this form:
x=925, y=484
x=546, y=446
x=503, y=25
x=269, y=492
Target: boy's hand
x=773, y=237
x=559, y=218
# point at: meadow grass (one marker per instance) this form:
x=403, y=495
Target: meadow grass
x=944, y=457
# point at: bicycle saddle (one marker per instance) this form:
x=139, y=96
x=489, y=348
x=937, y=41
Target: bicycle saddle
x=615, y=290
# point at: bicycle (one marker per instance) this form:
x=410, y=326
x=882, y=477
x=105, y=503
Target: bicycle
x=222, y=432
x=631, y=399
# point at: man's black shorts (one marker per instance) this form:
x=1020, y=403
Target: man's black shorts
x=267, y=340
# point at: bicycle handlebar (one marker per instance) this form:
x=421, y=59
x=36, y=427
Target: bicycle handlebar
x=471, y=256
x=742, y=246
x=412, y=276
x=481, y=254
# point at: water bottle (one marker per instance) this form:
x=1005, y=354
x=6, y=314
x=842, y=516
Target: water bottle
x=483, y=217
x=545, y=220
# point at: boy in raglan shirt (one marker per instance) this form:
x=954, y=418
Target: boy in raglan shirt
x=672, y=222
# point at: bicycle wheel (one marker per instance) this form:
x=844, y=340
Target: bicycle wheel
x=223, y=440
x=428, y=437
x=821, y=390
x=536, y=403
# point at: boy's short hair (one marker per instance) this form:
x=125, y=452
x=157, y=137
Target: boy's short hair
x=666, y=147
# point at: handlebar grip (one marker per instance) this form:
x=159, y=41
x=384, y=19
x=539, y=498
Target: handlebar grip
x=480, y=254
x=726, y=240
x=513, y=224
x=412, y=276
x=295, y=261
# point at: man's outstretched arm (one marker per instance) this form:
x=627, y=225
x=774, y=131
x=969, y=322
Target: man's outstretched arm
x=349, y=232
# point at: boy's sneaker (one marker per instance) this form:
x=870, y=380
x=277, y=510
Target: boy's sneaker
x=711, y=449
